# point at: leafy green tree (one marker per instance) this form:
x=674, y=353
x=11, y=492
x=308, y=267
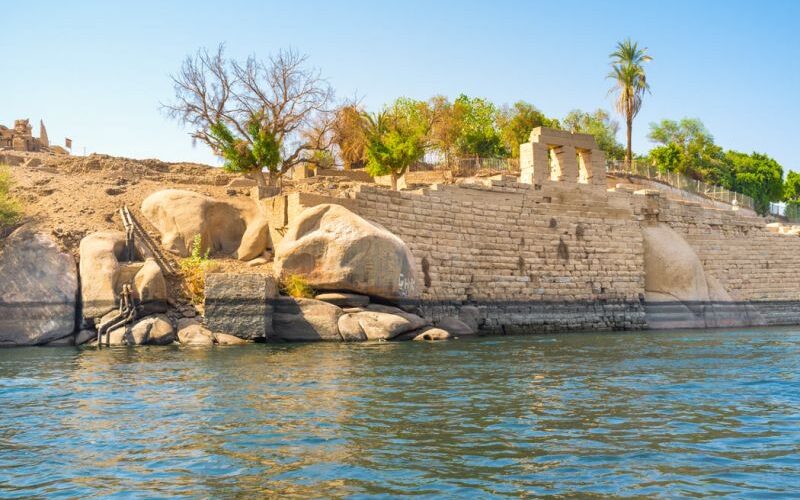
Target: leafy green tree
x=478, y=132
x=687, y=147
x=601, y=126
x=516, y=123
x=757, y=176
x=791, y=188
x=248, y=155
x=396, y=138
x=630, y=84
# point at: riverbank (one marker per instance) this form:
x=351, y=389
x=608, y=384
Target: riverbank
x=676, y=413
x=552, y=249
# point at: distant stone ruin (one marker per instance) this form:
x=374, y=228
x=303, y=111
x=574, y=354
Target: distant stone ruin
x=559, y=156
x=20, y=138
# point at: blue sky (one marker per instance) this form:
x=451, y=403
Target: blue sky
x=97, y=71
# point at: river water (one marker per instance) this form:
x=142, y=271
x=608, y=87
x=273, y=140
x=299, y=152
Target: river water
x=659, y=413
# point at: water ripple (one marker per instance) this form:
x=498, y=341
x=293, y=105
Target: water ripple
x=613, y=414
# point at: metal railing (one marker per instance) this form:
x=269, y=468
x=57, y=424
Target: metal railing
x=789, y=212
x=678, y=181
x=467, y=166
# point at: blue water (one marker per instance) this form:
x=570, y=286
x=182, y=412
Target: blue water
x=654, y=414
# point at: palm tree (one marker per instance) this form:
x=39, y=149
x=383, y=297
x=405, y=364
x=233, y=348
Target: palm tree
x=627, y=71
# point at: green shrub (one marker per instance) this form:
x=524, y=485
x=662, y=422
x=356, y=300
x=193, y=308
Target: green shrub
x=296, y=286
x=194, y=269
x=10, y=209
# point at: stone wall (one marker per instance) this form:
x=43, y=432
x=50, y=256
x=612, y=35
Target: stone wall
x=535, y=258
x=753, y=264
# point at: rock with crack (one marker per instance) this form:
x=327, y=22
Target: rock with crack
x=38, y=289
x=335, y=249
x=232, y=227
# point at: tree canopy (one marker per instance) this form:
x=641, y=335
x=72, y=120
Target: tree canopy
x=601, y=126
x=247, y=110
x=396, y=138
x=516, y=122
x=687, y=147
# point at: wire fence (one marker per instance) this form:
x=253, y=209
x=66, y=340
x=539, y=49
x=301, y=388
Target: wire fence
x=791, y=212
x=467, y=166
x=711, y=191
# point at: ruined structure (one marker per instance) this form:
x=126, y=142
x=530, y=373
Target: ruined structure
x=20, y=138
x=556, y=250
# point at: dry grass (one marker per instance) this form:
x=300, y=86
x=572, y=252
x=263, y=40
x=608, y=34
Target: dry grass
x=194, y=269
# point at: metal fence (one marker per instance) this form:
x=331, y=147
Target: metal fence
x=467, y=166
x=790, y=212
x=711, y=191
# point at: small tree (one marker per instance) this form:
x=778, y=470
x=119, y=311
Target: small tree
x=516, y=123
x=255, y=114
x=349, y=136
x=396, y=138
x=478, y=131
x=9, y=207
x=791, y=188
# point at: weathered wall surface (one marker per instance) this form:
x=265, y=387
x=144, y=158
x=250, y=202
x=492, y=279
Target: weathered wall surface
x=751, y=263
x=559, y=257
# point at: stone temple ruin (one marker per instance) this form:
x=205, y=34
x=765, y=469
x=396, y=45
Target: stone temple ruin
x=556, y=155
x=20, y=138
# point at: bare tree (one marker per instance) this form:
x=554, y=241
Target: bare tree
x=245, y=110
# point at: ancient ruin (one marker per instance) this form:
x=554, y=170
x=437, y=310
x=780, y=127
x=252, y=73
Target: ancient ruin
x=20, y=138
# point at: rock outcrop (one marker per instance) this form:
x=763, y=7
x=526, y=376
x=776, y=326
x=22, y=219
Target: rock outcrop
x=192, y=333
x=103, y=272
x=38, y=290
x=379, y=323
x=234, y=227
x=100, y=254
x=152, y=330
x=335, y=249
x=678, y=291
x=305, y=319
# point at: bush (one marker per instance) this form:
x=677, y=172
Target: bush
x=10, y=210
x=194, y=269
x=297, y=287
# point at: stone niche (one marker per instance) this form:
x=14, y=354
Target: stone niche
x=558, y=156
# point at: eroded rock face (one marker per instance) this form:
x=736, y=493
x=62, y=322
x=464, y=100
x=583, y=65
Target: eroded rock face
x=335, y=249
x=672, y=268
x=38, y=290
x=100, y=254
x=233, y=227
x=149, y=283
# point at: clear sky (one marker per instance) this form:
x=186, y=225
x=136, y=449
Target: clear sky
x=96, y=71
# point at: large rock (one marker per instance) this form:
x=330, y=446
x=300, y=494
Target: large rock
x=378, y=323
x=192, y=333
x=335, y=249
x=234, y=227
x=305, y=319
x=672, y=268
x=456, y=327
x=100, y=255
x=149, y=283
x=38, y=290
x=154, y=330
